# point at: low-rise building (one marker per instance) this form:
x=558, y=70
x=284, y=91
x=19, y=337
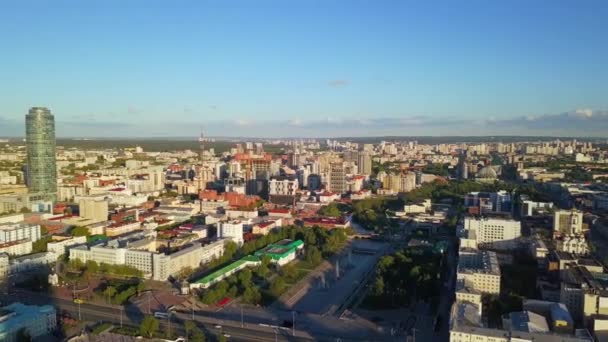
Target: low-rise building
x=59, y=244
x=232, y=230
x=19, y=247
x=16, y=231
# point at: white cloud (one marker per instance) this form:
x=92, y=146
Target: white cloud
x=584, y=112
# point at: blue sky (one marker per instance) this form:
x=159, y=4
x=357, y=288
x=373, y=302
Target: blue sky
x=306, y=68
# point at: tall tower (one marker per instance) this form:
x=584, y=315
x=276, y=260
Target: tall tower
x=201, y=152
x=41, y=165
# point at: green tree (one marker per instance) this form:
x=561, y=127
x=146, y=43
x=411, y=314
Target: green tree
x=245, y=277
x=221, y=338
x=313, y=255
x=197, y=335
x=252, y=295
x=25, y=210
x=278, y=286
x=331, y=210
x=109, y=292
x=23, y=335
x=290, y=272
x=230, y=248
x=189, y=326
x=92, y=266
x=41, y=245
x=149, y=326
x=80, y=231
x=378, y=287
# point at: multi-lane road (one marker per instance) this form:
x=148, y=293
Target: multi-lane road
x=250, y=328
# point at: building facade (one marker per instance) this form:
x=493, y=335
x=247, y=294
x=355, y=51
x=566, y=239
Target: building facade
x=41, y=163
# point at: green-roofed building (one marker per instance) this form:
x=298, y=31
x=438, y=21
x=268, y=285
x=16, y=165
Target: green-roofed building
x=280, y=253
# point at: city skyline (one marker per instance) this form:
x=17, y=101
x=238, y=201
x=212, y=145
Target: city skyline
x=306, y=69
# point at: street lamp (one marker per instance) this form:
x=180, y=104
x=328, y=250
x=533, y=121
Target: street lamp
x=293, y=323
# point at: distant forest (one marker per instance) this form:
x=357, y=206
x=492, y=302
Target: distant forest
x=224, y=144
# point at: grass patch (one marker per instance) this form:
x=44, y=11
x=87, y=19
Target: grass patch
x=126, y=330
x=101, y=328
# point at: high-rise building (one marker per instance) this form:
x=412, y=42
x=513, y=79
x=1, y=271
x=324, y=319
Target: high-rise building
x=41, y=165
x=337, y=178
x=364, y=163
x=463, y=172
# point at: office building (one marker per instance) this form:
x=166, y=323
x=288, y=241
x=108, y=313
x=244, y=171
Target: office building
x=479, y=270
x=36, y=320
x=495, y=231
x=567, y=222
x=40, y=140
x=192, y=256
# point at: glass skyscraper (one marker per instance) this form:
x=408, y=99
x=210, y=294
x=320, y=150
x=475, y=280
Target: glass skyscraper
x=41, y=165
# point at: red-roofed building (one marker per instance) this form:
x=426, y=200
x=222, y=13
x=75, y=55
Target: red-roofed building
x=175, y=168
x=106, y=182
x=280, y=213
x=326, y=222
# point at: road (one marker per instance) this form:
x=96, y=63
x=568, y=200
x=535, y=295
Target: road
x=251, y=328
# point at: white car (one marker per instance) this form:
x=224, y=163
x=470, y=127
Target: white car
x=226, y=336
x=218, y=326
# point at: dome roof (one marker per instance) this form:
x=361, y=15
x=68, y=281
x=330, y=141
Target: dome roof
x=487, y=172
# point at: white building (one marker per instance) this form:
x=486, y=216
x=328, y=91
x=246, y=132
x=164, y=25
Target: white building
x=19, y=247
x=231, y=230
x=528, y=207
x=499, y=232
x=573, y=244
x=416, y=208
x=479, y=269
x=284, y=186
x=10, y=232
x=60, y=246
x=567, y=222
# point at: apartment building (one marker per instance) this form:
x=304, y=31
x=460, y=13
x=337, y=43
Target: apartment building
x=479, y=270
x=10, y=232
x=283, y=186
x=19, y=247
